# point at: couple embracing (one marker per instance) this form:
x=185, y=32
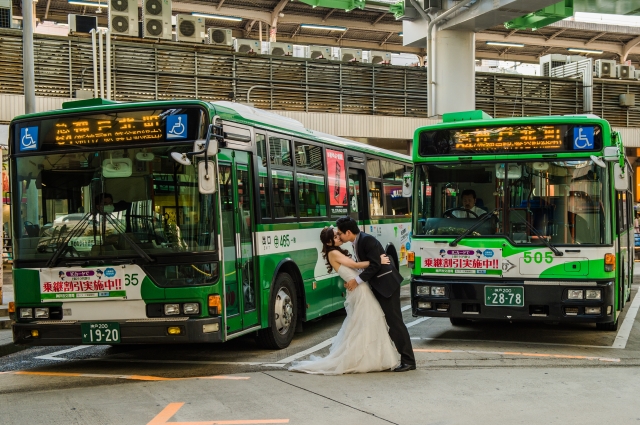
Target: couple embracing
x=373, y=337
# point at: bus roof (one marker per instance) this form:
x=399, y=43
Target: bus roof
x=230, y=111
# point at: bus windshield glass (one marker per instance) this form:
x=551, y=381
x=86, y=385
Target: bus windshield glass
x=120, y=202
x=558, y=202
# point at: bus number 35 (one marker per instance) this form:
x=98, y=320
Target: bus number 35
x=537, y=257
x=131, y=279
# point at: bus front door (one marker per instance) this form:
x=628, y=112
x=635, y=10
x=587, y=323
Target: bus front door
x=237, y=228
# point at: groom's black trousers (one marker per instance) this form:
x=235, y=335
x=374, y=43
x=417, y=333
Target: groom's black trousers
x=397, y=329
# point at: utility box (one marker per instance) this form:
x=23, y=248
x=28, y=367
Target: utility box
x=628, y=99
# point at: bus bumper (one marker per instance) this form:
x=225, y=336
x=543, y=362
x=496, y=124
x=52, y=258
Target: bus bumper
x=544, y=301
x=141, y=331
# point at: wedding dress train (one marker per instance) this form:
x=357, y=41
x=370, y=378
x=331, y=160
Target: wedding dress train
x=362, y=344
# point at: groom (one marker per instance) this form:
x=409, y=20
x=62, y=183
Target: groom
x=384, y=281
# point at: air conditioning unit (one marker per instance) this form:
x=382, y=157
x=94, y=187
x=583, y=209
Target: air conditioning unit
x=5, y=14
x=548, y=62
x=575, y=58
x=318, y=52
x=222, y=37
x=189, y=28
x=605, y=68
x=637, y=72
x=247, y=46
x=123, y=17
x=351, y=55
x=626, y=72
x=281, y=49
x=156, y=19
x=82, y=23
x=380, y=58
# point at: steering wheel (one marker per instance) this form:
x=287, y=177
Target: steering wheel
x=449, y=213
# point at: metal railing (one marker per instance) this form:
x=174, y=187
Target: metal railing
x=147, y=70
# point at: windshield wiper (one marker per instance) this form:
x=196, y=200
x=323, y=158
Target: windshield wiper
x=544, y=240
x=74, y=232
x=118, y=226
x=472, y=228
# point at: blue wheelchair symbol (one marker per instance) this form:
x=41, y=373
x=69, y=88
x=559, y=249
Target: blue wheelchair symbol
x=28, y=139
x=582, y=138
x=177, y=126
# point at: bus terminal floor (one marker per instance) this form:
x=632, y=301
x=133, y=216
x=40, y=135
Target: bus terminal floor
x=499, y=372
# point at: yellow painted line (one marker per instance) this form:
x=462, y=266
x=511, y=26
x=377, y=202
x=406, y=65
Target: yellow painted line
x=515, y=353
x=163, y=417
x=131, y=377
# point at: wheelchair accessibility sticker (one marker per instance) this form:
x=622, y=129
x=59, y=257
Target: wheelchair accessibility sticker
x=28, y=139
x=582, y=138
x=177, y=126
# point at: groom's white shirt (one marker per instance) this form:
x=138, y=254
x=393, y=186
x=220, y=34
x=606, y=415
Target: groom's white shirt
x=355, y=254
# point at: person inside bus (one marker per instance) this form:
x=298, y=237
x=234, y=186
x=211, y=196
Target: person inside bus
x=469, y=204
x=104, y=204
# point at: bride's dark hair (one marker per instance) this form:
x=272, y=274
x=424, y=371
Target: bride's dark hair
x=326, y=237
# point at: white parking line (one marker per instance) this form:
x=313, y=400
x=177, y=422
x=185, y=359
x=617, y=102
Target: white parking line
x=510, y=342
x=52, y=356
x=625, y=329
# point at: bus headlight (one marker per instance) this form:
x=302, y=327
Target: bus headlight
x=42, y=313
x=191, y=308
x=575, y=294
x=593, y=294
x=423, y=290
x=437, y=291
x=171, y=309
x=26, y=313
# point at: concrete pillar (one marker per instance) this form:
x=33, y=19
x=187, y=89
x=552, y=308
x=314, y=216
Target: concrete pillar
x=454, y=77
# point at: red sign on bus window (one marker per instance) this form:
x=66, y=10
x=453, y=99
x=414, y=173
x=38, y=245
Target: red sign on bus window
x=337, y=182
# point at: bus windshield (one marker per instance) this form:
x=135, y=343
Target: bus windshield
x=133, y=202
x=558, y=202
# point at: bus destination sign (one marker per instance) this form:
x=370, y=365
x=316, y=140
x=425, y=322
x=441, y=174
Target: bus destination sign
x=90, y=132
x=108, y=128
x=511, y=139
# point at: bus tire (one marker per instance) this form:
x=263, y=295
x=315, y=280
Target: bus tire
x=283, y=314
x=609, y=326
x=456, y=321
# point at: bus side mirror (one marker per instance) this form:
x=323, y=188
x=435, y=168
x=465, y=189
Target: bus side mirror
x=407, y=185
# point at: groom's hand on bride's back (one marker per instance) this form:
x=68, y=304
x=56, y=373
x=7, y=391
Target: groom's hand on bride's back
x=351, y=285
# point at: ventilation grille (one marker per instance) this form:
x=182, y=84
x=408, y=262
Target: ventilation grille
x=5, y=18
x=154, y=27
x=120, y=24
x=153, y=7
x=187, y=28
x=120, y=5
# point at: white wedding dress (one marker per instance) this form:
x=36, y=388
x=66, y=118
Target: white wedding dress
x=362, y=344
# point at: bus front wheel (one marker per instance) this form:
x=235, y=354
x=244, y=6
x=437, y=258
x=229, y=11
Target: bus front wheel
x=610, y=326
x=283, y=314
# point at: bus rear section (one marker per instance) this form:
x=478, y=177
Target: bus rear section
x=521, y=219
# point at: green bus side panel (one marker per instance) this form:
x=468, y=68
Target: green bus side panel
x=26, y=286
x=149, y=291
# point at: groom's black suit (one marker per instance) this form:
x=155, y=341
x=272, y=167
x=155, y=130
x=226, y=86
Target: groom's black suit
x=384, y=281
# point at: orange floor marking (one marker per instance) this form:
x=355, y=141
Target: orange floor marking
x=163, y=417
x=132, y=377
x=515, y=353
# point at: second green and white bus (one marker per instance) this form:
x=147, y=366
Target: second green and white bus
x=549, y=237
x=215, y=227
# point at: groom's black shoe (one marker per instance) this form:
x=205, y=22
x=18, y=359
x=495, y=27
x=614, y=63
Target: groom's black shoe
x=405, y=367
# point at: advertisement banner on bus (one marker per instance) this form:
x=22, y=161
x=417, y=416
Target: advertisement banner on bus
x=462, y=260
x=97, y=284
x=337, y=182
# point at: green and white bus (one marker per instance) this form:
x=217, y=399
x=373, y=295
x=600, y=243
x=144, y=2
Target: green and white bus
x=214, y=229
x=549, y=237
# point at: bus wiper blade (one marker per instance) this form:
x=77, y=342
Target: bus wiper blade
x=472, y=228
x=75, y=231
x=134, y=245
x=544, y=240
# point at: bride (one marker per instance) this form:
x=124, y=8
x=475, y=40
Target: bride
x=363, y=343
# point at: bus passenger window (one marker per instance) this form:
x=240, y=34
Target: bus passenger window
x=283, y=201
x=375, y=200
x=263, y=180
x=280, y=151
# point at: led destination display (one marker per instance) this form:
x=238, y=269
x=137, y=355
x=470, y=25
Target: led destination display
x=511, y=139
x=122, y=127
